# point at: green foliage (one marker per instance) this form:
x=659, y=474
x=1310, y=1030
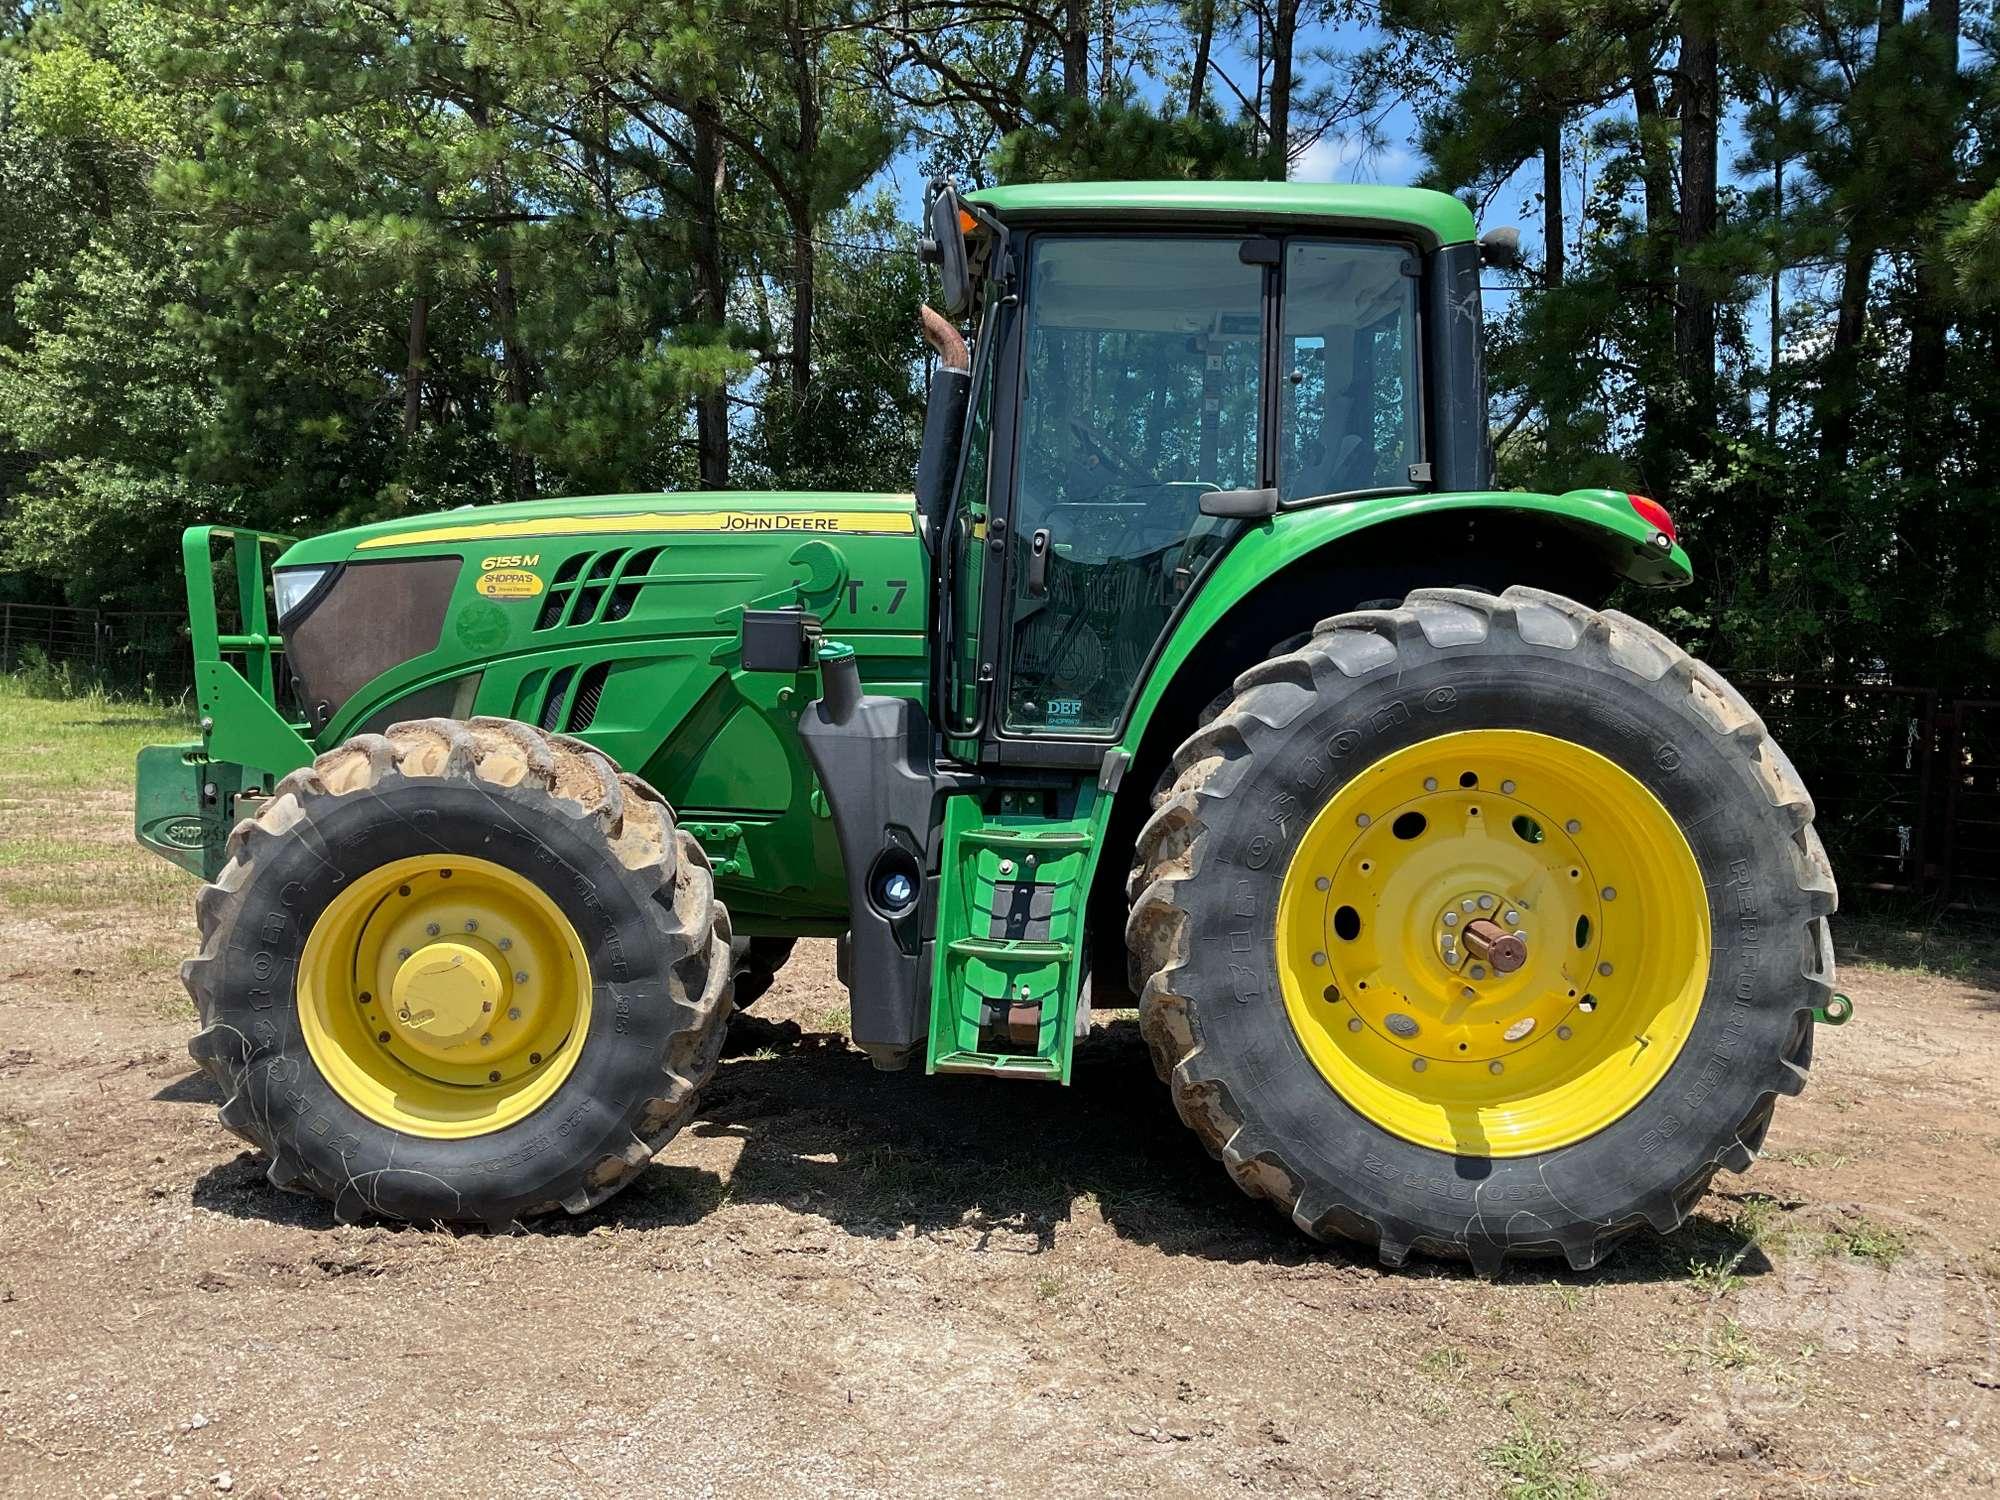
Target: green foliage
x=1122, y=139
x=1972, y=249
x=1841, y=500
x=1533, y=1464
x=296, y=263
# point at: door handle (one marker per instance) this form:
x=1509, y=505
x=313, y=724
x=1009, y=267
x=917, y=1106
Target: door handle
x=1038, y=562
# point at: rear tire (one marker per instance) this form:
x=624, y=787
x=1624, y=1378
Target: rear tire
x=544, y=814
x=1304, y=728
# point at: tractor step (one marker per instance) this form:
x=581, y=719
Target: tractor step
x=1009, y=939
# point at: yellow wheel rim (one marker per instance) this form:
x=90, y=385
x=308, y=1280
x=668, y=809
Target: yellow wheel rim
x=1516, y=1038
x=444, y=997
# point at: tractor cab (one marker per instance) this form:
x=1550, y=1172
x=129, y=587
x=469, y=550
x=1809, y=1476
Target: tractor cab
x=1151, y=376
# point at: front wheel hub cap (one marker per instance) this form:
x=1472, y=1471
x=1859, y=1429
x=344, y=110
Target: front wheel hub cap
x=445, y=994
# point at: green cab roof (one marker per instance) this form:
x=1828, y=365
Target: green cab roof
x=1438, y=216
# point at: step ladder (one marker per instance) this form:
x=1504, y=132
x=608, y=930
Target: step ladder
x=1013, y=878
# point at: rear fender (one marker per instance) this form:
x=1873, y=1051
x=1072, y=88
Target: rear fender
x=1395, y=545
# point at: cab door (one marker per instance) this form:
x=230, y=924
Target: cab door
x=1141, y=387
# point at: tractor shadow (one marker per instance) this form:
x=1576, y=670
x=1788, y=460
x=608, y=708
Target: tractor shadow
x=1005, y=1162
x=885, y=1155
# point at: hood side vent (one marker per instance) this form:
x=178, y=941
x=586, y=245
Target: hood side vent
x=562, y=587
x=550, y=717
x=593, y=588
x=589, y=693
x=631, y=578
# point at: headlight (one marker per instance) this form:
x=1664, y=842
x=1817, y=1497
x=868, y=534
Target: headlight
x=293, y=586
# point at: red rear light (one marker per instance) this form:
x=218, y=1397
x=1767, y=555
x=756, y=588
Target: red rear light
x=1654, y=514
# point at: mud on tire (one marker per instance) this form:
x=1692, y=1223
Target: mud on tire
x=1201, y=943
x=602, y=844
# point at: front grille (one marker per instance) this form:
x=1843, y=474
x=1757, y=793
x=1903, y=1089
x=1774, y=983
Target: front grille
x=376, y=615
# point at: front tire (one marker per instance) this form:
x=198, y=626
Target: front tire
x=1297, y=938
x=460, y=972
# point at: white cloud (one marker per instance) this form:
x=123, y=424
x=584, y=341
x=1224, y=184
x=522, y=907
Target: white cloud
x=1347, y=158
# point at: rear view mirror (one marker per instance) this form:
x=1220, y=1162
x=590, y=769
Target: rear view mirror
x=1501, y=249
x=944, y=246
x=1241, y=505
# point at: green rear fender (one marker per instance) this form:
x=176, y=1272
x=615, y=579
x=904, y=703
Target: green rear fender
x=1602, y=527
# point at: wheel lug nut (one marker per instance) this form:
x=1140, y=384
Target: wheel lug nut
x=1486, y=903
x=486, y=1039
x=1319, y=959
x=1572, y=826
x=402, y=953
x=1507, y=787
x=494, y=1076
x=1478, y=971
x=505, y=944
x=1362, y=820
x=1610, y=894
x=1451, y=919
x=1468, y=904
x=534, y=1059
x=1496, y=1066
x=432, y=929
x=513, y=1012
x=1417, y=1065
x=486, y=1005
x=520, y=976
x=1604, y=969
x=1513, y=919
x=1354, y=1023
x=471, y=926
x=1563, y=1033
x=1430, y=783
x=381, y=1036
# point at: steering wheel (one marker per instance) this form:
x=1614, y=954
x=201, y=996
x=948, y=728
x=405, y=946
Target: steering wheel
x=1118, y=463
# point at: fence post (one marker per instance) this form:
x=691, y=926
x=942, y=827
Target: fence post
x=6, y=636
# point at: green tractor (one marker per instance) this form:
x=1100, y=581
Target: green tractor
x=1204, y=672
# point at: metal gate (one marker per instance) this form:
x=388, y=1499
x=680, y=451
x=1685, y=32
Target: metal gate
x=1868, y=754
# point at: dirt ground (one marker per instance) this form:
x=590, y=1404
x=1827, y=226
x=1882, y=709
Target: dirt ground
x=845, y=1283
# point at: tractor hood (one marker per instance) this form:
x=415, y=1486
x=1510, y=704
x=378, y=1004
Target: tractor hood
x=712, y=511
x=552, y=610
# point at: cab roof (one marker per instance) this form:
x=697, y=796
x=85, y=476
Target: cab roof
x=1437, y=217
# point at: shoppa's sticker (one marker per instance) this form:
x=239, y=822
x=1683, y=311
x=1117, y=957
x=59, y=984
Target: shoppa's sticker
x=509, y=583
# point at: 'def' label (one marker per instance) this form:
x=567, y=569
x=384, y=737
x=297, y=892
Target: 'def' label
x=509, y=583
